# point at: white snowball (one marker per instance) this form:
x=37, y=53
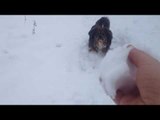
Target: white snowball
x=116, y=71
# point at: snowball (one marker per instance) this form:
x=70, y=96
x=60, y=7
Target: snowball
x=116, y=71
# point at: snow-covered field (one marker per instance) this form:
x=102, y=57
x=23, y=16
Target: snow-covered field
x=45, y=59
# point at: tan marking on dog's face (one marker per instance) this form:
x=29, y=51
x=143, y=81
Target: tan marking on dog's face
x=100, y=44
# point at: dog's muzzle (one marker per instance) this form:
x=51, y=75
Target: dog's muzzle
x=100, y=44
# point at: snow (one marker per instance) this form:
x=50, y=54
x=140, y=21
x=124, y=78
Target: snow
x=116, y=71
x=45, y=59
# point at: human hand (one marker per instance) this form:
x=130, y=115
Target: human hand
x=147, y=91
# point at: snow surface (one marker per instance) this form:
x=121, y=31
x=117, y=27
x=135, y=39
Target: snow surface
x=45, y=59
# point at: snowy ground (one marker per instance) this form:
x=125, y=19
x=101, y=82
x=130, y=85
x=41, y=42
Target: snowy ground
x=44, y=59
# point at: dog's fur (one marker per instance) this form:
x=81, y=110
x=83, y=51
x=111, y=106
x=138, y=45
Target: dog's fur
x=100, y=36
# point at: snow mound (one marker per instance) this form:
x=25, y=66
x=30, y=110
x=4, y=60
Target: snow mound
x=116, y=71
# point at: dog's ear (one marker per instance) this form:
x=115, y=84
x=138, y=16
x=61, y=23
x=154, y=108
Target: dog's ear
x=109, y=36
x=103, y=22
x=91, y=32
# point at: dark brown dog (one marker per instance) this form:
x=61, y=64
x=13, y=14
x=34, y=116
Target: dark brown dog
x=100, y=36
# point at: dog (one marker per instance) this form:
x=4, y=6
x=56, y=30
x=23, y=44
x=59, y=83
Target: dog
x=100, y=36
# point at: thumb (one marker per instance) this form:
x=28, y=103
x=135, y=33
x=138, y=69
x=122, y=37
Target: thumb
x=139, y=58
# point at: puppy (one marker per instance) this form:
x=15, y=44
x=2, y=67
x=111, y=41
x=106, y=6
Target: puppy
x=100, y=36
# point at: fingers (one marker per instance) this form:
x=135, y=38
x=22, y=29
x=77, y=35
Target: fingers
x=131, y=100
x=131, y=97
x=140, y=58
x=119, y=96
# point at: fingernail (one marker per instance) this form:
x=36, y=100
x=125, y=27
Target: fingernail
x=129, y=46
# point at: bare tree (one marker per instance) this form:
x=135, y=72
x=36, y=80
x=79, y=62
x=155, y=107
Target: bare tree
x=34, y=27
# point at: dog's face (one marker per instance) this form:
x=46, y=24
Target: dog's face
x=100, y=39
x=100, y=42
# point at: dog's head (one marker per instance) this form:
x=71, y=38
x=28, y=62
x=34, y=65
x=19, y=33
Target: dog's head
x=101, y=37
x=103, y=22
